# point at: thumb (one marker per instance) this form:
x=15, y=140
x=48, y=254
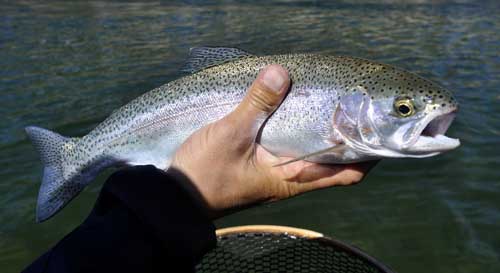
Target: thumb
x=263, y=97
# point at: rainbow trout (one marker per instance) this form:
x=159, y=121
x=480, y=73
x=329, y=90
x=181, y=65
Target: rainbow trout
x=339, y=110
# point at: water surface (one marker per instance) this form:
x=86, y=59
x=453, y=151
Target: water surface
x=66, y=65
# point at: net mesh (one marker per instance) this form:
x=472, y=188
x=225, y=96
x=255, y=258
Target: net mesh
x=281, y=252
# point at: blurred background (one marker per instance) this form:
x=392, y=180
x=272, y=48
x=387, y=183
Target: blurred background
x=67, y=65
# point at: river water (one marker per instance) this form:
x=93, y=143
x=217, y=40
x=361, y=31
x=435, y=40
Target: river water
x=66, y=65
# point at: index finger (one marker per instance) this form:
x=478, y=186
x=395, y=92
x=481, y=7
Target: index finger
x=312, y=176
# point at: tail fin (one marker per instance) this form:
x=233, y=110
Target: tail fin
x=61, y=180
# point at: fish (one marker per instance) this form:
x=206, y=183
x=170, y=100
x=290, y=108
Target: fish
x=339, y=110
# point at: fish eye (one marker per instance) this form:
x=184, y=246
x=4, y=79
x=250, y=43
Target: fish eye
x=404, y=107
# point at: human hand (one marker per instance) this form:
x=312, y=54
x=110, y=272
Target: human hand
x=231, y=171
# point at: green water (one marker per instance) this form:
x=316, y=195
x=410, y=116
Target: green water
x=67, y=65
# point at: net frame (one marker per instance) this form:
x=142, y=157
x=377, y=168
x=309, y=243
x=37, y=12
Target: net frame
x=292, y=232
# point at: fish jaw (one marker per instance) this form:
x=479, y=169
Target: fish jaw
x=431, y=139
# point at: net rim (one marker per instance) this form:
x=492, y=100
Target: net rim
x=304, y=233
x=299, y=232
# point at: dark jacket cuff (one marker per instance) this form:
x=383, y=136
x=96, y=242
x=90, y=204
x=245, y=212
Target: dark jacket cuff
x=168, y=204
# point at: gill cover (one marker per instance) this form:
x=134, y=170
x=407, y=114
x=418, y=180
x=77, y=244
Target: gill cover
x=352, y=121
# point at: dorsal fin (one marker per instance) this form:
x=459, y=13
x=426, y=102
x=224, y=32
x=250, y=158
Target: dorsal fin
x=205, y=57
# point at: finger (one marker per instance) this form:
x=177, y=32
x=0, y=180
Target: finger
x=317, y=176
x=263, y=97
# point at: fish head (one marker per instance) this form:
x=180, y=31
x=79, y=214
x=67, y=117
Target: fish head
x=395, y=113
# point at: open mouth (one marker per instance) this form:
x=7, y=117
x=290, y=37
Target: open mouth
x=432, y=138
x=438, y=125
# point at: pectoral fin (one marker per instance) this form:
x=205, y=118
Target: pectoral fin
x=339, y=148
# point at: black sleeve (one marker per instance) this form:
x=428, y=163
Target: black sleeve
x=144, y=220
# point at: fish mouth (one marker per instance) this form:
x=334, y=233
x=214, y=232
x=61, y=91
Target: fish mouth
x=431, y=139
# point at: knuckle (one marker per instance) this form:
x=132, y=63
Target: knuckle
x=292, y=189
x=263, y=98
